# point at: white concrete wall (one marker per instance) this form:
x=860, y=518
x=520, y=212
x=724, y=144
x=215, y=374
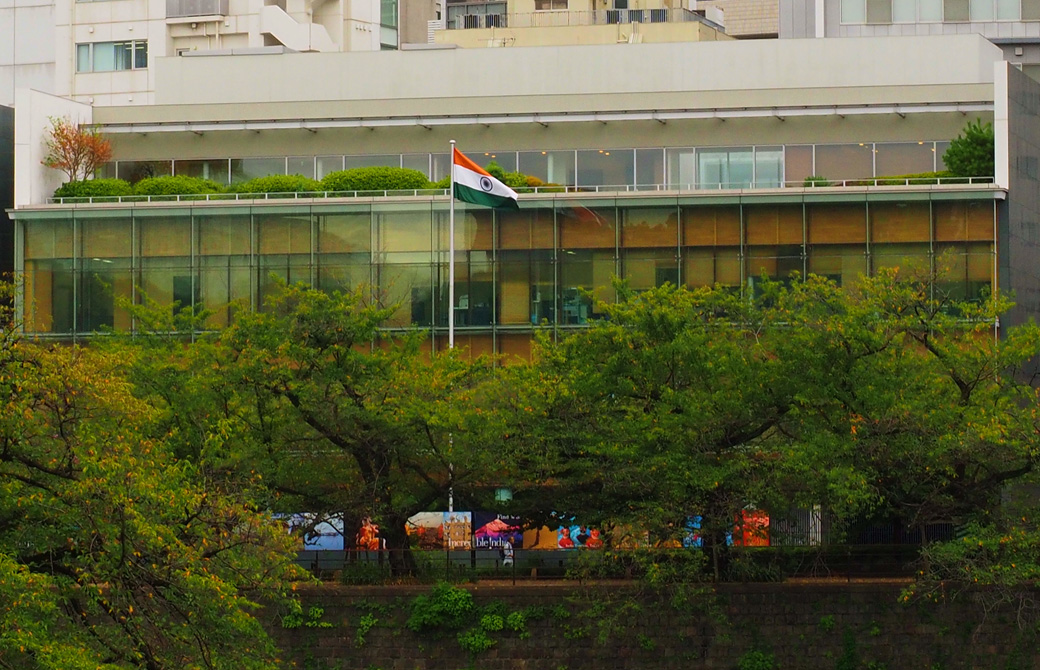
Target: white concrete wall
x=758, y=66
x=33, y=182
x=27, y=46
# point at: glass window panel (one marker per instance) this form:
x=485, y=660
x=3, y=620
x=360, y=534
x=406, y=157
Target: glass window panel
x=374, y=160
x=274, y=269
x=474, y=290
x=48, y=238
x=930, y=10
x=283, y=233
x=215, y=169
x=777, y=263
x=525, y=288
x=82, y=58
x=409, y=287
x=327, y=164
x=474, y=228
x=899, y=222
x=168, y=281
x=904, y=11
x=844, y=264
x=1030, y=10
x=585, y=280
x=899, y=158
x=606, y=167
x=649, y=167
x=102, y=282
x=440, y=164
x=940, y=151
x=981, y=10
x=586, y=226
x=344, y=232
x=301, y=165
x=107, y=171
x=853, y=11
x=798, y=164
x=343, y=272
x=649, y=226
x=514, y=347
x=105, y=237
x=1008, y=10
x=244, y=169
x=845, y=161
x=420, y=162
x=879, y=11
x=104, y=57
x=711, y=226
x=163, y=234
x=529, y=228
x=135, y=171
x=48, y=292
x=141, y=55
x=955, y=10
x=404, y=229
x=904, y=257
x=707, y=267
x=725, y=168
x=648, y=268
x=773, y=224
x=505, y=159
x=224, y=281
x=223, y=234
x=836, y=223
x=769, y=167
x=963, y=220
x=681, y=164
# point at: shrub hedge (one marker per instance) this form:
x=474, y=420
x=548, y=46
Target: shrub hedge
x=278, y=183
x=94, y=188
x=375, y=179
x=176, y=185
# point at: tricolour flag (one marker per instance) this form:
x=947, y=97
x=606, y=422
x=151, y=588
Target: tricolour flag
x=473, y=184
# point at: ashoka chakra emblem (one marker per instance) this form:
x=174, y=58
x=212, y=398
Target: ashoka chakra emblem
x=485, y=184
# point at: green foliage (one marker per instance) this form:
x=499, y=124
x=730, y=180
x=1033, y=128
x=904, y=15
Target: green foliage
x=646, y=643
x=276, y=184
x=815, y=181
x=375, y=179
x=176, y=185
x=516, y=622
x=492, y=623
x=971, y=153
x=94, y=188
x=365, y=624
x=826, y=623
x=756, y=660
x=475, y=641
x=849, y=659
x=445, y=606
x=293, y=617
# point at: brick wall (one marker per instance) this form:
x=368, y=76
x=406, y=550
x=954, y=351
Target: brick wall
x=811, y=626
x=748, y=18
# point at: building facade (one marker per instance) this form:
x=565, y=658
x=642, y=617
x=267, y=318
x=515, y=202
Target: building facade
x=674, y=174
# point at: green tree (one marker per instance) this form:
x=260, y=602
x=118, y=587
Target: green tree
x=113, y=553
x=971, y=153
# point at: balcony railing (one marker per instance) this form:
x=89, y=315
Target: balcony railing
x=598, y=17
x=897, y=182
x=182, y=9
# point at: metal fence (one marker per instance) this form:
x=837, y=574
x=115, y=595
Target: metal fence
x=535, y=190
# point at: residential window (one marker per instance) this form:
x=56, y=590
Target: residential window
x=541, y=5
x=112, y=56
x=853, y=11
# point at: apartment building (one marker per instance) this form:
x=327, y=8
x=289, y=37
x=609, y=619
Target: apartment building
x=1013, y=25
x=102, y=52
x=694, y=175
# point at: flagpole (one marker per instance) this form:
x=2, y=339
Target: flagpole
x=451, y=253
x=451, y=304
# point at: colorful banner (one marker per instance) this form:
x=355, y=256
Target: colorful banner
x=458, y=530
x=492, y=531
x=323, y=533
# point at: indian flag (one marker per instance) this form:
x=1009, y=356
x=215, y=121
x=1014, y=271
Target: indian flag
x=474, y=184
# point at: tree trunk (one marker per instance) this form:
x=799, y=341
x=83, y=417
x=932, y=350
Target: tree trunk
x=402, y=560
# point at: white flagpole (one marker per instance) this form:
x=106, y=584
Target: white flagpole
x=451, y=253
x=451, y=304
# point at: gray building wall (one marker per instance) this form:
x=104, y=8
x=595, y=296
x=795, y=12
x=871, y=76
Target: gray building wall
x=797, y=18
x=6, y=191
x=1019, y=236
x=27, y=47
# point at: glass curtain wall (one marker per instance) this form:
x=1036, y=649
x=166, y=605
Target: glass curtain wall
x=549, y=264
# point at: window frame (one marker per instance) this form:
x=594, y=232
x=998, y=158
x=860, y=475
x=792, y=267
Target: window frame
x=132, y=54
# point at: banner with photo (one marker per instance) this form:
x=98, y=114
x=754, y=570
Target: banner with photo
x=427, y=530
x=319, y=532
x=458, y=530
x=492, y=530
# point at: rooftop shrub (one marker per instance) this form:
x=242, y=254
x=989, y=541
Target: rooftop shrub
x=970, y=154
x=176, y=185
x=94, y=188
x=375, y=179
x=278, y=183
